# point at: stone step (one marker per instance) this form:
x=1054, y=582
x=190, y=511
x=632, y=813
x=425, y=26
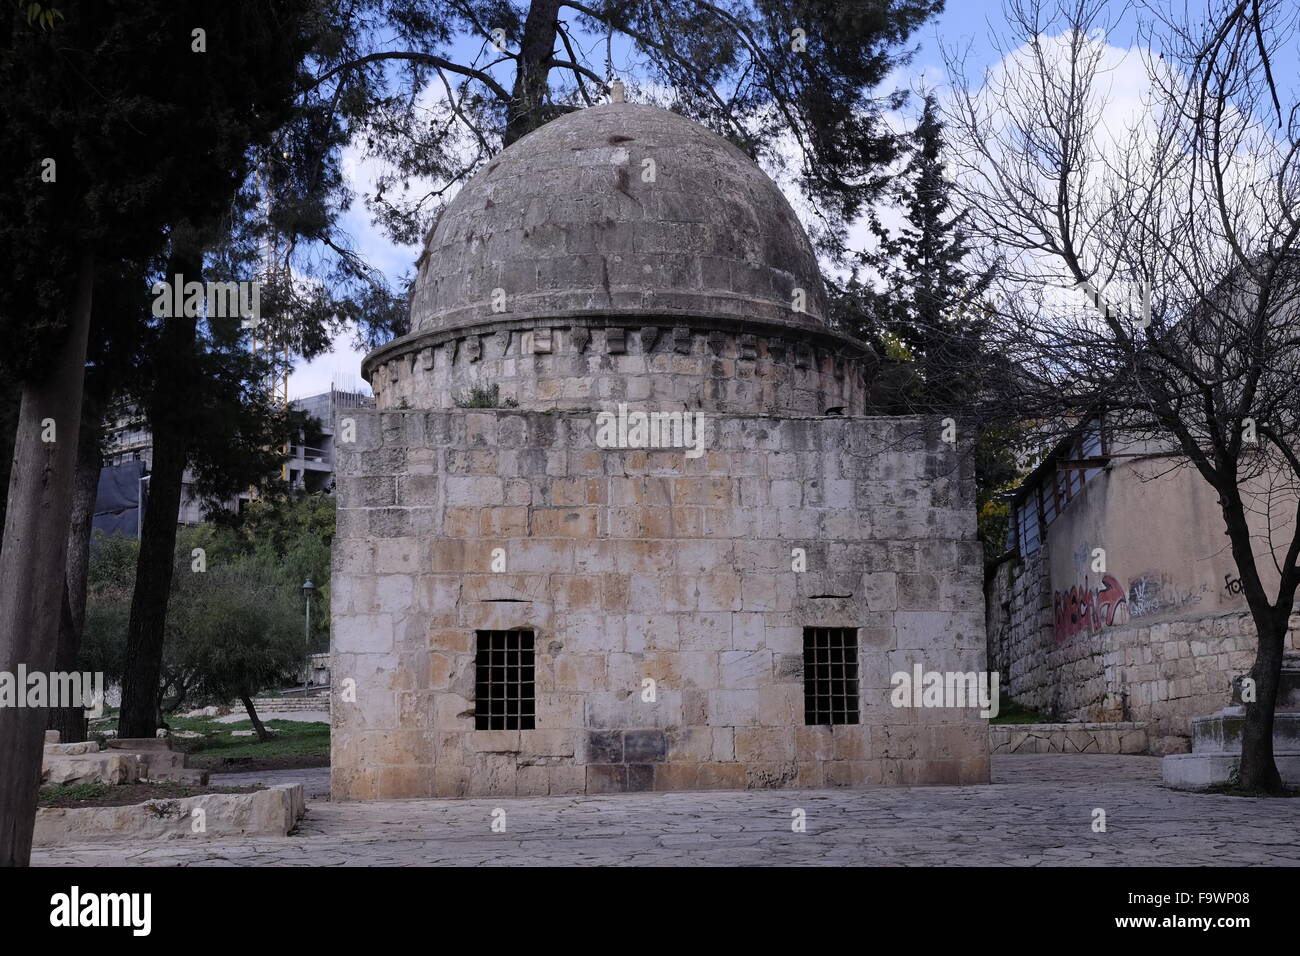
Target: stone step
x=1199, y=771
x=1221, y=732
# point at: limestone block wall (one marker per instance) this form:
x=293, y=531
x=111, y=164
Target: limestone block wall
x=1028, y=619
x=632, y=564
x=586, y=363
x=1161, y=673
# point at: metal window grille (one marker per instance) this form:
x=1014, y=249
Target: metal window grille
x=830, y=675
x=504, y=695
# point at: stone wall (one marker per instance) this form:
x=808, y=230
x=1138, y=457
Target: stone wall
x=1132, y=609
x=582, y=363
x=1162, y=673
x=644, y=564
x=1076, y=738
x=1023, y=590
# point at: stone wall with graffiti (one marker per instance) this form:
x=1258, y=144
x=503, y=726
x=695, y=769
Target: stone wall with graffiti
x=1105, y=600
x=1132, y=610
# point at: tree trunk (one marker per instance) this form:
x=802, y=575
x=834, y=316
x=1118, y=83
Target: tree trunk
x=541, y=28
x=35, y=546
x=1259, y=773
x=11, y=396
x=142, y=666
x=169, y=420
x=261, y=731
x=1258, y=769
x=70, y=722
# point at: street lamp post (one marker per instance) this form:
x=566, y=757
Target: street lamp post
x=307, y=589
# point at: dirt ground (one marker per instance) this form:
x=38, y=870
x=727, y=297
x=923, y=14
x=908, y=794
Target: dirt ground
x=103, y=795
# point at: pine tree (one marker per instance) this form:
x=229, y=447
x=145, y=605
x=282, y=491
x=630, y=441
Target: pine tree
x=124, y=119
x=929, y=308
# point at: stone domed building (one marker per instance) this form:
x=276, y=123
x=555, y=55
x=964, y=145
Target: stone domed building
x=619, y=521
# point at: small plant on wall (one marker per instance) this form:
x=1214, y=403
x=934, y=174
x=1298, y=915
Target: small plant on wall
x=481, y=396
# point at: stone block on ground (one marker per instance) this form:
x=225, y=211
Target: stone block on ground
x=102, y=767
x=73, y=750
x=270, y=812
x=1201, y=771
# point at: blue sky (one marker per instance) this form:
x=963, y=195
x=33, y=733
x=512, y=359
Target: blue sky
x=964, y=26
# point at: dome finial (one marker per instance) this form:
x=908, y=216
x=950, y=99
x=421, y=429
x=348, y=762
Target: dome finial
x=617, y=92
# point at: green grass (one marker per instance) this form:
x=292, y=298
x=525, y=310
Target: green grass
x=121, y=795
x=73, y=791
x=1009, y=712
x=292, y=743
x=306, y=743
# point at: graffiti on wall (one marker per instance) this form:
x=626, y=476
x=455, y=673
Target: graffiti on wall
x=1106, y=602
x=1153, y=592
x=1089, y=607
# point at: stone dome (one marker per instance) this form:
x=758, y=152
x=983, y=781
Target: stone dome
x=620, y=207
x=621, y=253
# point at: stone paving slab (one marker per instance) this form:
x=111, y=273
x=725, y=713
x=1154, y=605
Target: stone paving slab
x=315, y=780
x=1037, y=812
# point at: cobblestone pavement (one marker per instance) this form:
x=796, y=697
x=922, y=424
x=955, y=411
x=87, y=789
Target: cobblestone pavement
x=1038, y=811
x=315, y=780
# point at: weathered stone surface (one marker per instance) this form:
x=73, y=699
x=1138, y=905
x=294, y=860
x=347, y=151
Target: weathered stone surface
x=582, y=200
x=70, y=750
x=602, y=247
x=702, y=369
x=1099, y=738
x=667, y=589
x=1162, y=674
x=636, y=564
x=270, y=812
x=100, y=767
x=1201, y=771
x=1029, y=815
x=126, y=760
x=1217, y=738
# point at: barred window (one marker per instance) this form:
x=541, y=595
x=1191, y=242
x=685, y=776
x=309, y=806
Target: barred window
x=830, y=675
x=504, y=696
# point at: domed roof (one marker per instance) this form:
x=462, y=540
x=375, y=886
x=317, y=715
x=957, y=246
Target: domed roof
x=617, y=209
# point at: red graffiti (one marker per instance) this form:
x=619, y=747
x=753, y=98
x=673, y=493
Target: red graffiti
x=1087, y=609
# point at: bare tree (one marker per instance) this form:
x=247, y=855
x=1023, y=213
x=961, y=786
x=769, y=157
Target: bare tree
x=1178, y=218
